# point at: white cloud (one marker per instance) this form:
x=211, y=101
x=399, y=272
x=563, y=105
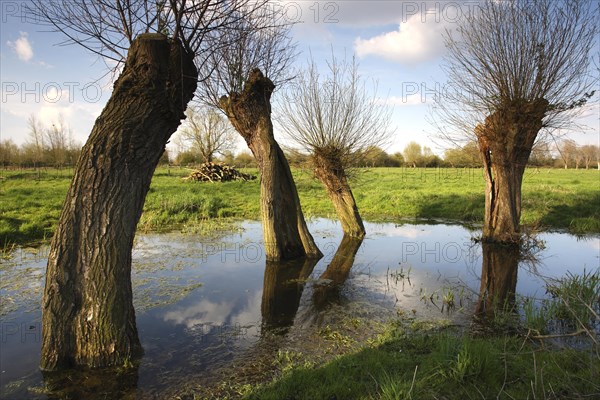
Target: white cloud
x=79, y=115
x=45, y=64
x=204, y=312
x=22, y=47
x=413, y=43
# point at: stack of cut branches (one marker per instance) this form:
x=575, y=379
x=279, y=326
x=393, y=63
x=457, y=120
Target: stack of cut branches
x=216, y=172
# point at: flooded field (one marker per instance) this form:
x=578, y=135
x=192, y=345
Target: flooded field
x=209, y=309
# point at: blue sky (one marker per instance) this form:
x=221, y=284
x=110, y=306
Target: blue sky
x=399, y=44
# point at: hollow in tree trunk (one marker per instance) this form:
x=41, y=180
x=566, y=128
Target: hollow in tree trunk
x=505, y=142
x=88, y=316
x=329, y=170
x=285, y=233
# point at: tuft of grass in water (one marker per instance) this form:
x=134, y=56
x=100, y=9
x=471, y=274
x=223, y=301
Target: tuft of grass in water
x=574, y=307
x=7, y=250
x=577, y=299
x=448, y=300
x=537, y=318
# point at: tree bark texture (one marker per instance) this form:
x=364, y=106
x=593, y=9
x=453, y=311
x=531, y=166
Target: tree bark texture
x=505, y=142
x=337, y=272
x=88, y=316
x=285, y=233
x=282, y=290
x=329, y=170
x=498, y=279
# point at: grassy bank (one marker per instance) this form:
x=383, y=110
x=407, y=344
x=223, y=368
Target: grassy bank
x=424, y=361
x=30, y=201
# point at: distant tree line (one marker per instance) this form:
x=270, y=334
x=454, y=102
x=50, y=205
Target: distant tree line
x=63, y=152
x=565, y=154
x=46, y=146
x=206, y=137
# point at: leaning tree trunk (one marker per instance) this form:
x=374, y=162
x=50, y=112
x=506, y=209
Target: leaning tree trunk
x=285, y=233
x=88, y=316
x=505, y=143
x=329, y=170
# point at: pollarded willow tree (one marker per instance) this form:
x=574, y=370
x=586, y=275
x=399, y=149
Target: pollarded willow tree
x=88, y=315
x=240, y=80
x=517, y=69
x=336, y=119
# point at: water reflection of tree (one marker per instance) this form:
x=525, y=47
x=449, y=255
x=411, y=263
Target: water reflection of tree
x=497, y=292
x=283, y=285
x=327, y=291
x=93, y=384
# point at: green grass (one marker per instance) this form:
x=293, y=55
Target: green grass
x=30, y=201
x=429, y=363
x=576, y=299
x=410, y=360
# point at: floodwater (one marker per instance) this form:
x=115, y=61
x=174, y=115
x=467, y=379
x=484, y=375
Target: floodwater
x=209, y=309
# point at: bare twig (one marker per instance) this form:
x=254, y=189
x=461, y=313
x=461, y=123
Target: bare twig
x=558, y=336
x=107, y=27
x=334, y=114
x=518, y=50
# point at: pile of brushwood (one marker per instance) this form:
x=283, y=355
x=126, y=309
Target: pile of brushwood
x=216, y=172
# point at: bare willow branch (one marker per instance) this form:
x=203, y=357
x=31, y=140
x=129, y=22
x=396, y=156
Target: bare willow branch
x=108, y=27
x=518, y=51
x=335, y=112
x=262, y=42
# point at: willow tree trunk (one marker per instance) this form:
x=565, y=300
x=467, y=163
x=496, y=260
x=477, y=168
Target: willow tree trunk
x=285, y=233
x=505, y=142
x=88, y=316
x=498, y=279
x=329, y=170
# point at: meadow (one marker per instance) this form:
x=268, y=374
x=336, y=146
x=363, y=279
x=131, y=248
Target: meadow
x=411, y=358
x=553, y=199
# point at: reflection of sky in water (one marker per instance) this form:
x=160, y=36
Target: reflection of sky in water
x=207, y=326
x=448, y=253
